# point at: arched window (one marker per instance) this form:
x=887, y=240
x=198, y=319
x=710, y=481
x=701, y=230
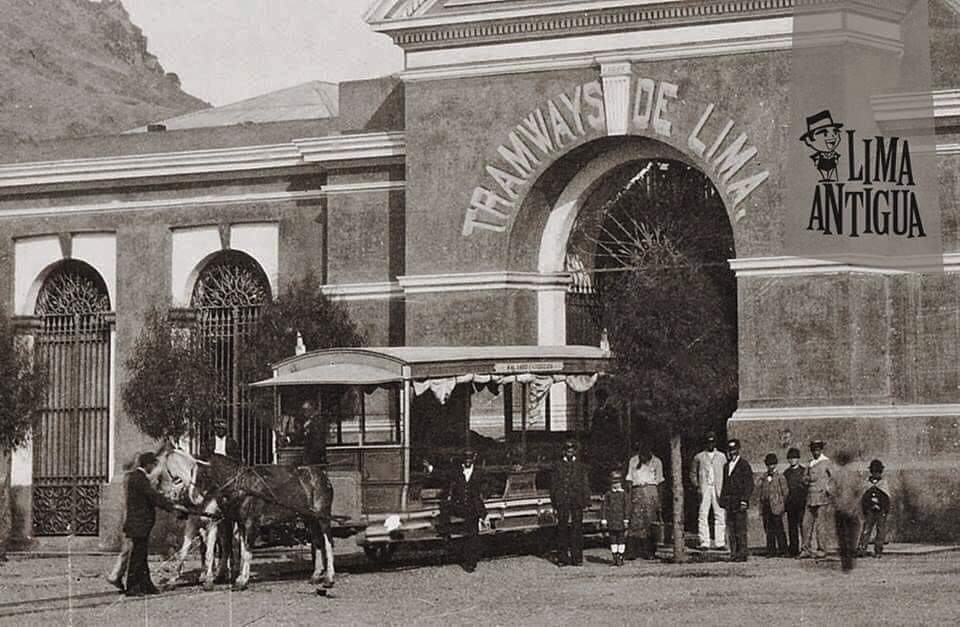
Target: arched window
x=71, y=456
x=227, y=296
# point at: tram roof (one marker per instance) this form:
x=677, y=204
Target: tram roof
x=378, y=365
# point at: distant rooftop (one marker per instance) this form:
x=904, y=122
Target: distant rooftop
x=310, y=101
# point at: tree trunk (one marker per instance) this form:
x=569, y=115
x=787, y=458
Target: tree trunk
x=676, y=471
x=6, y=513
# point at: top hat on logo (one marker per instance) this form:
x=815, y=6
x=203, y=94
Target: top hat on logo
x=818, y=121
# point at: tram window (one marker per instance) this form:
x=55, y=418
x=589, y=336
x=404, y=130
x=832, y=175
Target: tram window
x=486, y=413
x=344, y=410
x=539, y=415
x=382, y=416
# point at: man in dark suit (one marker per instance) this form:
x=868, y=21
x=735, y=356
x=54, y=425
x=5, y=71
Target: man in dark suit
x=464, y=499
x=315, y=432
x=220, y=442
x=142, y=501
x=570, y=494
x=735, y=500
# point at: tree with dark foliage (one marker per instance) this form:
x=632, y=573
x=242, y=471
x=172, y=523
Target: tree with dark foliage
x=173, y=388
x=302, y=309
x=23, y=385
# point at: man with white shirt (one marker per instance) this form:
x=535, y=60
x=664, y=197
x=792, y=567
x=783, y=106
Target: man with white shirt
x=645, y=478
x=706, y=473
x=465, y=500
x=220, y=442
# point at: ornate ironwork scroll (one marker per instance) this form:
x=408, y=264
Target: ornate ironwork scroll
x=227, y=296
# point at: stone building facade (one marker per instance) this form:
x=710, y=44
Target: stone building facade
x=439, y=204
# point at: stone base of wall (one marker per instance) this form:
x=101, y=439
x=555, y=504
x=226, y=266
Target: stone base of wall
x=918, y=444
x=111, y=524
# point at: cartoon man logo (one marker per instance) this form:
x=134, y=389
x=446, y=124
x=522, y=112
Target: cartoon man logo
x=823, y=136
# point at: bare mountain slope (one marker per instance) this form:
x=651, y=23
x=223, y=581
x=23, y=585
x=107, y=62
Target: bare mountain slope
x=73, y=68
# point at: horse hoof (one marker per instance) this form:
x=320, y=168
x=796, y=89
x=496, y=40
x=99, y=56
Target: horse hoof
x=239, y=587
x=208, y=586
x=327, y=585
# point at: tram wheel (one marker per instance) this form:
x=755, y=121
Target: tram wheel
x=379, y=553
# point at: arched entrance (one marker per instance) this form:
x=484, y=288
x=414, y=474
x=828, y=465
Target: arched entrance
x=71, y=444
x=638, y=205
x=605, y=204
x=227, y=296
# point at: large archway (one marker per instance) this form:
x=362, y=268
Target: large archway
x=602, y=210
x=71, y=443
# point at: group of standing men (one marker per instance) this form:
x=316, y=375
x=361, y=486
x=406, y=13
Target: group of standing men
x=806, y=495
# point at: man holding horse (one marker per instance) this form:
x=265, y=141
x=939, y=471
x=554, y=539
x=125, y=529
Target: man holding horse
x=142, y=501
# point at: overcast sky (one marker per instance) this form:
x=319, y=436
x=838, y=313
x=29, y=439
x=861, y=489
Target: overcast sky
x=228, y=50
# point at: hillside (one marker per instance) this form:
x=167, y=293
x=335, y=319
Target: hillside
x=74, y=68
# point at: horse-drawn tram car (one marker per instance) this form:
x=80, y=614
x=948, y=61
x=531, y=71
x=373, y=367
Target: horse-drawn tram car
x=396, y=420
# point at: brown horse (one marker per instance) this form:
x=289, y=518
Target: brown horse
x=250, y=496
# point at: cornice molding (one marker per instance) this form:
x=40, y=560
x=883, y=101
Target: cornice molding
x=149, y=205
x=943, y=103
x=478, y=281
x=202, y=201
x=846, y=411
x=414, y=27
x=363, y=291
x=550, y=18
x=767, y=36
x=351, y=147
x=788, y=265
x=297, y=153
x=483, y=29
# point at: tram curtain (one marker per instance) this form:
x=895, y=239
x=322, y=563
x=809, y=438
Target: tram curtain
x=443, y=387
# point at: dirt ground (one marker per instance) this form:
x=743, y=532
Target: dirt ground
x=507, y=588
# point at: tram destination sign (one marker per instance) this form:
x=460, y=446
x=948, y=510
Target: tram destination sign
x=529, y=366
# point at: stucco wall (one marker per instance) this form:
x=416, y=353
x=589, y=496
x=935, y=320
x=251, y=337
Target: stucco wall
x=358, y=238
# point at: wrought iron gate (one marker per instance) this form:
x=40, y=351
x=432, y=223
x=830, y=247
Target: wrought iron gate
x=227, y=297
x=583, y=305
x=70, y=446
x=222, y=330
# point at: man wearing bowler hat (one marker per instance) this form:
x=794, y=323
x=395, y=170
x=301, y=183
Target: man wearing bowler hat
x=142, y=501
x=823, y=136
x=735, y=499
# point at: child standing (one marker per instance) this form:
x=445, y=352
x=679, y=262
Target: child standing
x=796, y=499
x=773, y=498
x=875, y=505
x=614, y=518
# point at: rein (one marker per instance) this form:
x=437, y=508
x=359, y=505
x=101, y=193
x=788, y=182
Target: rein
x=240, y=472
